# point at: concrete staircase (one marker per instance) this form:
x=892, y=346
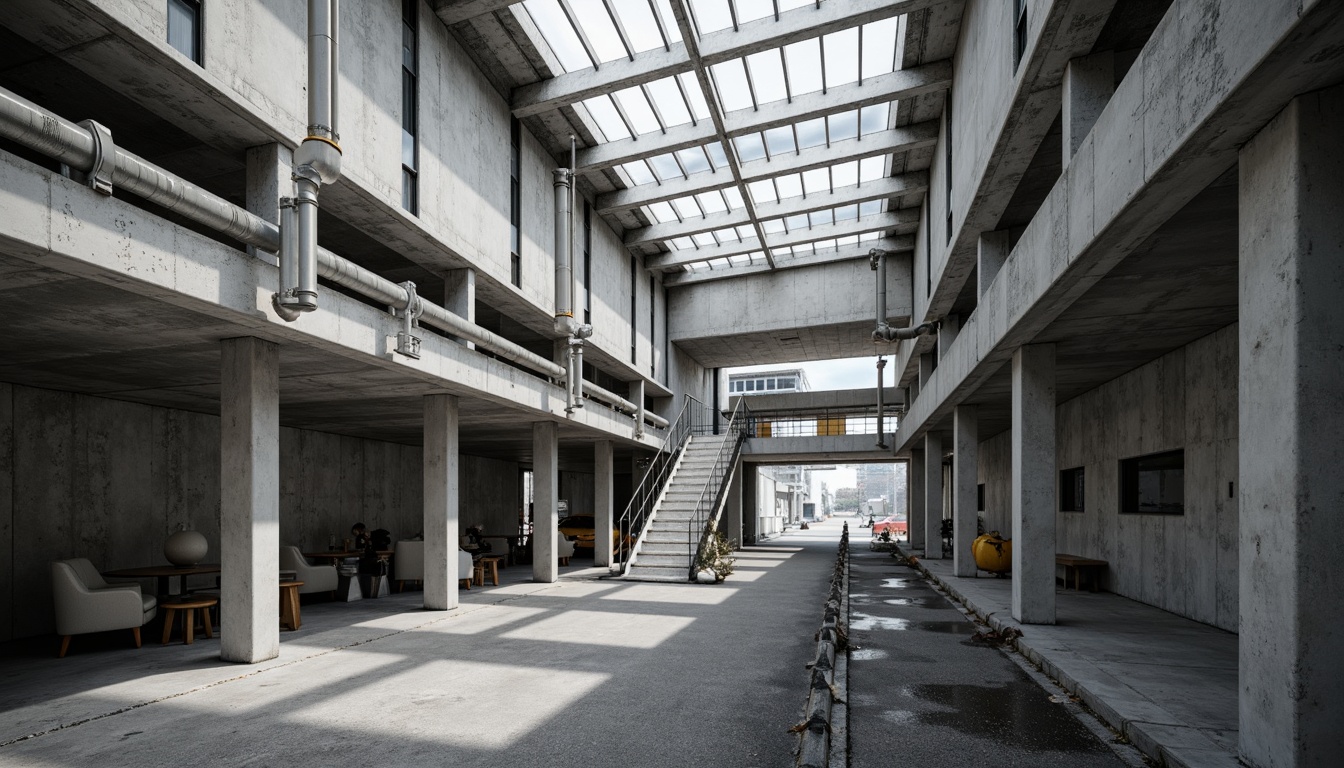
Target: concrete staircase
x=669, y=544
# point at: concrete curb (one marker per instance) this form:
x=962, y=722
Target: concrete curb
x=1155, y=741
x=826, y=706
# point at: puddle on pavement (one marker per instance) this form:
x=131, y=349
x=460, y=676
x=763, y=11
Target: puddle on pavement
x=947, y=627
x=867, y=654
x=1018, y=714
x=921, y=602
x=866, y=621
x=903, y=584
x=898, y=716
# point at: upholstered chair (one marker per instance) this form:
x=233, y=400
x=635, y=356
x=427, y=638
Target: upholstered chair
x=85, y=603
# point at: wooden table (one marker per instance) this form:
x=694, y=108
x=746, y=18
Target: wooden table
x=289, y=604
x=514, y=541
x=189, y=608
x=490, y=563
x=383, y=554
x=163, y=573
x=1081, y=565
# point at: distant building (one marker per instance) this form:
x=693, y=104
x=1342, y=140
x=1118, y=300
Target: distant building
x=767, y=382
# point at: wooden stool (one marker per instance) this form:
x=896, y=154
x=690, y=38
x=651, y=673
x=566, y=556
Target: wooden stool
x=189, y=608
x=289, y=604
x=490, y=562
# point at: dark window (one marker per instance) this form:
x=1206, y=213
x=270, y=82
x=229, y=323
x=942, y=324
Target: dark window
x=1019, y=31
x=667, y=344
x=928, y=248
x=1153, y=484
x=1071, y=490
x=587, y=263
x=653, y=330
x=184, y=28
x=947, y=160
x=515, y=203
x=980, y=497
x=751, y=385
x=410, y=192
x=634, y=305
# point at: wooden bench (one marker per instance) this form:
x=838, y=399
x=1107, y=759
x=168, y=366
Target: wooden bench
x=1081, y=566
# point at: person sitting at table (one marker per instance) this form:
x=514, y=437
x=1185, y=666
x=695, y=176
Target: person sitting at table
x=361, y=535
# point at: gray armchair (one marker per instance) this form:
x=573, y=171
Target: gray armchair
x=315, y=578
x=85, y=603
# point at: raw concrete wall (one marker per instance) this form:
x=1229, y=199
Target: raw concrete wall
x=577, y=489
x=108, y=480
x=1186, y=399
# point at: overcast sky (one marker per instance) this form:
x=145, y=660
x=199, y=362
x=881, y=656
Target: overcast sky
x=846, y=373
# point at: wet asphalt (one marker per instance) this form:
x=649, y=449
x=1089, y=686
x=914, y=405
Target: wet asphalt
x=922, y=692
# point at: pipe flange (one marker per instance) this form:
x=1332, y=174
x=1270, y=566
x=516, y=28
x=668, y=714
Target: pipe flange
x=408, y=343
x=99, y=177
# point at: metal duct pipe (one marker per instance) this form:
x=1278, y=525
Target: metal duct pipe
x=564, y=272
x=881, y=384
x=877, y=260
x=322, y=24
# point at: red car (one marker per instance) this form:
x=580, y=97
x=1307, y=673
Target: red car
x=897, y=527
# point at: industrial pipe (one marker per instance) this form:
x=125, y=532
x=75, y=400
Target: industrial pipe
x=881, y=384
x=877, y=260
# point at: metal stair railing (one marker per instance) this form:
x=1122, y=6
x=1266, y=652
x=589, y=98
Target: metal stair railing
x=629, y=528
x=705, y=518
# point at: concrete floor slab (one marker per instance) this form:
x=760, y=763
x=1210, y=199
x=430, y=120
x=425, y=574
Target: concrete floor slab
x=1168, y=683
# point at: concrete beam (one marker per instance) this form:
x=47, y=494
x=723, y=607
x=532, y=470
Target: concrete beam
x=763, y=34
x=898, y=244
x=933, y=496
x=965, y=447
x=1290, y=446
x=545, y=495
x=452, y=12
x=249, y=502
x=901, y=222
x=441, y=460
x=892, y=86
x=1033, y=494
x=459, y=297
x=1089, y=83
x=879, y=189
x=886, y=142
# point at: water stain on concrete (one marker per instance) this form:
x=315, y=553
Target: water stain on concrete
x=921, y=602
x=866, y=621
x=1018, y=714
x=867, y=654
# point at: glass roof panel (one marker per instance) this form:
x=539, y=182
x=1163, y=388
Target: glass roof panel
x=638, y=110
x=686, y=207
x=665, y=167
x=879, y=47
x=639, y=173
x=872, y=168
x=662, y=212
x=843, y=125
x=816, y=181
x=669, y=21
x=795, y=223
x=762, y=191
x=779, y=140
x=822, y=217
x=716, y=155
x=711, y=202
x=847, y=240
x=870, y=208
x=751, y=10
x=696, y=96
x=811, y=133
x=734, y=196
x=773, y=226
x=560, y=34
x=730, y=78
x=767, y=75
x=845, y=213
x=842, y=57
x=822, y=244
x=804, y=66
x=637, y=18
x=670, y=103
x=608, y=119
x=681, y=243
x=693, y=159
x=711, y=15
x=704, y=239
x=599, y=29
x=727, y=235
x=870, y=236
x=845, y=174
x=874, y=118
x=749, y=147
x=789, y=186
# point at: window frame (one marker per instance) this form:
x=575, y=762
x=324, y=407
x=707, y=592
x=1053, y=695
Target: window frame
x=197, y=9
x=1073, y=490
x=1130, y=468
x=410, y=107
x=1020, y=31
x=515, y=202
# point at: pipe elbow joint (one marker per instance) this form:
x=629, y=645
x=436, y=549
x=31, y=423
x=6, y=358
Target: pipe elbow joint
x=319, y=156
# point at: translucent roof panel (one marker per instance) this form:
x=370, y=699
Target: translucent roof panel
x=730, y=78
x=638, y=111
x=879, y=47
x=716, y=155
x=780, y=140
x=662, y=212
x=843, y=125
x=811, y=133
x=560, y=34
x=604, y=113
x=711, y=15
x=749, y=147
x=711, y=202
x=845, y=174
x=637, y=18
x=671, y=105
x=804, y=62
x=639, y=173
x=842, y=57
x=666, y=167
x=874, y=118
x=601, y=32
x=871, y=169
x=767, y=76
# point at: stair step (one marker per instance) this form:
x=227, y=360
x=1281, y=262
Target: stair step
x=655, y=536
x=648, y=560
x=663, y=548
x=658, y=573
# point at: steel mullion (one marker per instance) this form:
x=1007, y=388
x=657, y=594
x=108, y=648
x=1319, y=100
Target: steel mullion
x=732, y=11
x=751, y=84
x=821, y=46
x=680, y=165
x=686, y=97
x=860, y=54
x=765, y=145
x=776, y=4
x=578, y=30
x=653, y=105
x=797, y=147
x=709, y=159
x=658, y=20
x=620, y=110
x=784, y=62
x=620, y=30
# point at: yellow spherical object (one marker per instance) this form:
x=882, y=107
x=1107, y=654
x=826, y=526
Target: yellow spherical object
x=993, y=553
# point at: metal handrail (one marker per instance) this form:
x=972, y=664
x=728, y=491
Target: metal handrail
x=630, y=526
x=705, y=517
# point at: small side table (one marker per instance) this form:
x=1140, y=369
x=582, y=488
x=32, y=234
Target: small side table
x=289, y=605
x=488, y=563
x=188, y=608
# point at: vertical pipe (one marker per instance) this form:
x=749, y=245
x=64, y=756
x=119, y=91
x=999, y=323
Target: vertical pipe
x=305, y=290
x=578, y=375
x=881, y=383
x=320, y=77
x=289, y=248
x=564, y=308
x=335, y=20
x=573, y=208
x=881, y=290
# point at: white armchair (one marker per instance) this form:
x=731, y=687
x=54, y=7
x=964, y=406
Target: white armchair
x=409, y=561
x=564, y=548
x=85, y=603
x=315, y=578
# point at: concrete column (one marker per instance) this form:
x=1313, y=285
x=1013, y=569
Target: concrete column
x=459, y=296
x=637, y=397
x=269, y=178
x=947, y=333
x=915, y=519
x=933, y=496
x=441, y=460
x=751, y=506
x=993, y=251
x=926, y=365
x=545, y=494
x=604, y=468
x=965, y=444
x=1034, y=507
x=249, y=509
x=1291, y=448
x=731, y=520
x=1089, y=83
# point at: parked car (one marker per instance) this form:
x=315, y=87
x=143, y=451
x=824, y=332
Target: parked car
x=890, y=523
x=582, y=530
